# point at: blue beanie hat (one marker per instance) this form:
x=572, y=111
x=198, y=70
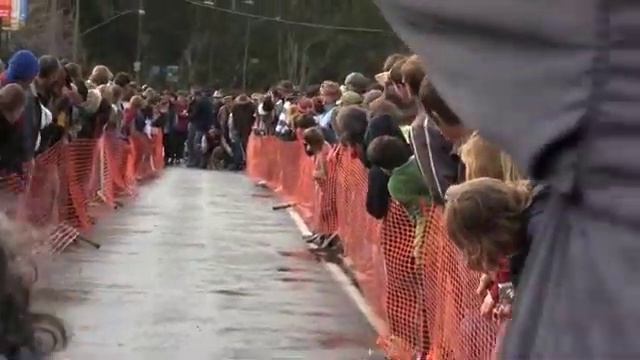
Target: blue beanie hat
x=23, y=66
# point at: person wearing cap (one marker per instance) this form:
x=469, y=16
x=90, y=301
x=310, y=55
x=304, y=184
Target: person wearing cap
x=22, y=70
x=350, y=98
x=357, y=83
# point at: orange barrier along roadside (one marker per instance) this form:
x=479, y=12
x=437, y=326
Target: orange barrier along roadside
x=60, y=189
x=429, y=304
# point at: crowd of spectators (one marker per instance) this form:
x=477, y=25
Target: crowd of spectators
x=47, y=102
x=418, y=153
x=415, y=148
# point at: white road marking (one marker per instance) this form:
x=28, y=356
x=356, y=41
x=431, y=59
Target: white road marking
x=343, y=280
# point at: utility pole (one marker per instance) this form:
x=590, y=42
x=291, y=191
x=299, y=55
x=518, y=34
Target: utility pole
x=137, y=66
x=53, y=28
x=247, y=41
x=76, y=32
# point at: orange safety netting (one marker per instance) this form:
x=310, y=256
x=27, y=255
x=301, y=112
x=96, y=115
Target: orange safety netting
x=61, y=189
x=429, y=305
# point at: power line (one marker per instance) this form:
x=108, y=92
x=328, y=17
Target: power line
x=288, y=22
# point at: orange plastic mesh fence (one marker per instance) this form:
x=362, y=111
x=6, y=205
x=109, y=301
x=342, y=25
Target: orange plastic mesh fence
x=428, y=303
x=60, y=189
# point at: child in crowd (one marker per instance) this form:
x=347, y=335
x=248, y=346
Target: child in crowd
x=406, y=184
x=352, y=122
x=481, y=158
x=492, y=223
x=304, y=122
x=265, y=117
x=316, y=146
x=133, y=118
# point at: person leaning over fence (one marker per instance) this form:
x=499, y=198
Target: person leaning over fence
x=22, y=70
x=87, y=117
x=406, y=184
x=46, y=87
x=437, y=156
x=316, y=147
x=330, y=94
x=492, y=223
x=12, y=103
x=133, y=115
x=481, y=158
x=445, y=133
x=265, y=124
x=283, y=97
x=352, y=121
x=384, y=122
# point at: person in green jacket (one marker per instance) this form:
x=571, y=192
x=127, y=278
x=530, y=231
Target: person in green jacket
x=406, y=184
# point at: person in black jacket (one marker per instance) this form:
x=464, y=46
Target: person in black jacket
x=12, y=103
x=201, y=120
x=383, y=123
x=435, y=135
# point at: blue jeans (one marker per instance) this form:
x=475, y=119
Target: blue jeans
x=238, y=153
x=194, y=144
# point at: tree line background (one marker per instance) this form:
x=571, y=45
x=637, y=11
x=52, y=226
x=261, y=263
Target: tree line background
x=209, y=45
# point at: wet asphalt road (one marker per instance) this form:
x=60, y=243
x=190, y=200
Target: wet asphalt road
x=200, y=267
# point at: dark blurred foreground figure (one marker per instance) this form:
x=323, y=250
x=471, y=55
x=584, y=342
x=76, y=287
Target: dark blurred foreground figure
x=24, y=335
x=556, y=85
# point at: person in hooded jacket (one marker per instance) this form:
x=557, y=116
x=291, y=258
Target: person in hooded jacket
x=12, y=103
x=384, y=121
x=436, y=155
x=22, y=70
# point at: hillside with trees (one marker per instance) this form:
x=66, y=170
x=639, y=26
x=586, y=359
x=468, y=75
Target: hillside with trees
x=209, y=45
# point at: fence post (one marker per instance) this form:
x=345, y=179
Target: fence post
x=101, y=176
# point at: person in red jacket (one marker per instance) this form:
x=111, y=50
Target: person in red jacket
x=180, y=128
